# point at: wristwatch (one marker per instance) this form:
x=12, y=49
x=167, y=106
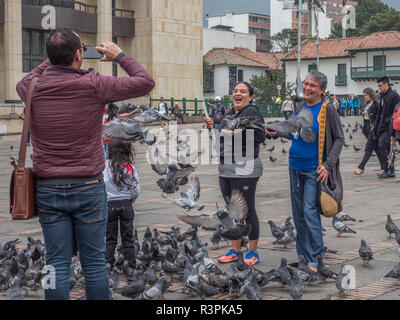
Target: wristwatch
x=119, y=56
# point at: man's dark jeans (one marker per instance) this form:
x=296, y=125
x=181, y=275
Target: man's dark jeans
x=122, y=211
x=370, y=147
x=384, y=150
x=80, y=209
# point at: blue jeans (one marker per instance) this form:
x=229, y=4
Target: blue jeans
x=306, y=217
x=79, y=208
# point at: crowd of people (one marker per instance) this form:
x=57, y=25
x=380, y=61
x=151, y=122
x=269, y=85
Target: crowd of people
x=86, y=185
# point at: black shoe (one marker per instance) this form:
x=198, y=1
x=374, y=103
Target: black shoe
x=387, y=175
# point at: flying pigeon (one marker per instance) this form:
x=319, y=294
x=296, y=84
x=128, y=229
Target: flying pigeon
x=187, y=200
x=131, y=130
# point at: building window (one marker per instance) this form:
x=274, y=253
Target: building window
x=54, y=3
x=312, y=67
x=240, y=75
x=379, y=63
x=33, y=48
x=232, y=78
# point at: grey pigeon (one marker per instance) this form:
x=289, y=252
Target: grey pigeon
x=147, y=115
x=271, y=149
x=344, y=217
x=202, y=288
x=272, y=159
x=293, y=125
x=131, y=131
x=150, y=275
x=327, y=250
x=250, y=288
x=340, y=227
x=231, y=219
x=397, y=233
x=296, y=286
x=134, y=288
x=342, y=282
x=187, y=200
x=286, y=239
x=155, y=292
x=114, y=278
x=282, y=274
x=216, y=237
x=365, y=252
x=395, y=273
x=390, y=226
x=275, y=230
x=303, y=266
x=323, y=272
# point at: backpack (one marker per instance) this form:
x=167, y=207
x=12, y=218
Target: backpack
x=396, y=118
x=217, y=116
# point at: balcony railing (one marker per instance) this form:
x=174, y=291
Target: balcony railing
x=1, y=11
x=373, y=73
x=70, y=4
x=123, y=23
x=340, y=81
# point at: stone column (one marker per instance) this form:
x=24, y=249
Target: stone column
x=104, y=32
x=12, y=48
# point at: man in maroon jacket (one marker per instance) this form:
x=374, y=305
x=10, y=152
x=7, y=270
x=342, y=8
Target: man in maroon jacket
x=68, y=159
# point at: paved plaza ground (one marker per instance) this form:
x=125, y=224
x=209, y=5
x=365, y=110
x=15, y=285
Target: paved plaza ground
x=366, y=198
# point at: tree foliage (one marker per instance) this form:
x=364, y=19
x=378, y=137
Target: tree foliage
x=285, y=40
x=265, y=86
x=365, y=11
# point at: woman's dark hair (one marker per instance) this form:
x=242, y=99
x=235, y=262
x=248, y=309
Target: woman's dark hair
x=61, y=46
x=121, y=155
x=248, y=85
x=370, y=92
x=112, y=111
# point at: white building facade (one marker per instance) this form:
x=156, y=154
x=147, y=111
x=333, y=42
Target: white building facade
x=214, y=38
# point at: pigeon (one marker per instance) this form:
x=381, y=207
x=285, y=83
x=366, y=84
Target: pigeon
x=356, y=149
x=8, y=245
x=134, y=288
x=176, y=175
x=303, y=266
x=187, y=200
x=323, y=272
x=286, y=239
x=390, y=226
x=271, y=149
x=250, y=288
x=11, y=147
x=272, y=159
x=296, y=286
x=282, y=274
x=283, y=141
x=351, y=137
x=275, y=230
x=342, y=282
x=284, y=226
x=146, y=115
x=347, y=130
x=344, y=217
x=231, y=219
x=113, y=278
x=346, y=145
x=216, y=237
x=365, y=252
x=284, y=151
x=397, y=232
x=150, y=275
x=156, y=291
x=295, y=124
x=395, y=273
x=340, y=227
x=202, y=288
x=131, y=131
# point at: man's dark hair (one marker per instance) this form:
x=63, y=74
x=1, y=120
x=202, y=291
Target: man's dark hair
x=61, y=46
x=383, y=80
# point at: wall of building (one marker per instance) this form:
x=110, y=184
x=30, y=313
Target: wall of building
x=2, y=66
x=227, y=39
x=330, y=68
x=239, y=22
x=280, y=19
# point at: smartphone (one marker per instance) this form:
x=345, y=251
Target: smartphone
x=92, y=53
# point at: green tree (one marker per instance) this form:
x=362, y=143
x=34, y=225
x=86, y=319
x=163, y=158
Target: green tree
x=365, y=10
x=285, y=40
x=265, y=86
x=388, y=21
x=208, y=77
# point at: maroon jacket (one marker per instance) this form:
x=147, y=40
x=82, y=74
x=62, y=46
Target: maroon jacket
x=67, y=114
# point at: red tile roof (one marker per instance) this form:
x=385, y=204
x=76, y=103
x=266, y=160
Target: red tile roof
x=339, y=48
x=243, y=57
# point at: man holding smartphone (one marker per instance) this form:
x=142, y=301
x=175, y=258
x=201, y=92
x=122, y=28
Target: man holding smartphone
x=68, y=160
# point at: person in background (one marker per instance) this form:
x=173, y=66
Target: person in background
x=287, y=108
x=369, y=116
x=343, y=107
x=110, y=112
x=217, y=111
x=350, y=106
x=178, y=113
x=357, y=106
x=122, y=186
x=244, y=174
x=163, y=109
x=305, y=172
x=383, y=124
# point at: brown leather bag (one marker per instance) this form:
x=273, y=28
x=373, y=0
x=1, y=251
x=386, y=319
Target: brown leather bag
x=22, y=185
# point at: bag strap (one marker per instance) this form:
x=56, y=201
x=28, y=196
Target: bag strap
x=321, y=133
x=27, y=120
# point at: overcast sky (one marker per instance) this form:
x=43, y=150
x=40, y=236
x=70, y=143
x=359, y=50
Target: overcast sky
x=216, y=7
